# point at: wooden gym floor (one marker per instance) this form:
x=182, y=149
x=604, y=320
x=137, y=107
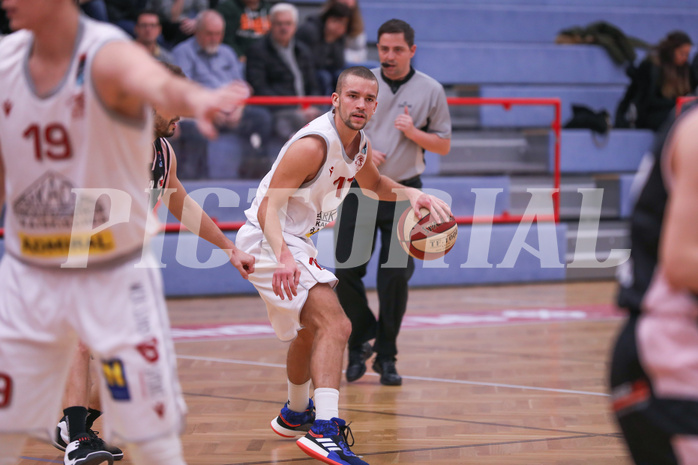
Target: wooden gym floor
x=491, y=375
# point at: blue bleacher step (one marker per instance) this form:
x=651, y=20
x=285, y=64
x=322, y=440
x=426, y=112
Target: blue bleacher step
x=498, y=152
x=509, y=63
x=491, y=22
x=570, y=196
x=583, y=151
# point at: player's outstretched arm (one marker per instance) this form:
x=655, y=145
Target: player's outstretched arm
x=679, y=241
x=373, y=184
x=126, y=77
x=299, y=164
x=191, y=215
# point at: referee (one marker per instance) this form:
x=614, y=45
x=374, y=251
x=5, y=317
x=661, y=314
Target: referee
x=412, y=116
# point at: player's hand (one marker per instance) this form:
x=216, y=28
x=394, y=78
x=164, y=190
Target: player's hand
x=286, y=276
x=405, y=123
x=378, y=157
x=438, y=209
x=224, y=99
x=244, y=262
x=188, y=26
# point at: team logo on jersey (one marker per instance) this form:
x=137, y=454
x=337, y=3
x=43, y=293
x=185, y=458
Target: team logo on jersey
x=149, y=350
x=49, y=203
x=115, y=377
x=359, y=160
x=331, y=170
x=7, y=107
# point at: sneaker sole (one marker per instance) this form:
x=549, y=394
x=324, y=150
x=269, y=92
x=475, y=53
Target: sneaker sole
x=285, y=432
x=318, y=453
x=97, y=458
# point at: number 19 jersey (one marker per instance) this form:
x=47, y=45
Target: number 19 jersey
x=75, y=172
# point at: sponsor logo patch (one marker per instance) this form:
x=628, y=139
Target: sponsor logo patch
x=115, y=377
x=58, y=245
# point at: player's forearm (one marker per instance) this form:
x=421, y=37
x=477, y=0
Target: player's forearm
x=268, y=218
x=430, y=142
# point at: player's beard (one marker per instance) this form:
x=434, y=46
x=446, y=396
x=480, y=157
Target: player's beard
x=162, y=126
x=355, y=126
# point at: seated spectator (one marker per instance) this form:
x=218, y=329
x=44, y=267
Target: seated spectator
x=355, y=51
x=178, y=17
x=246, y=21
x=124, y=13
x=95, y=9
x=206, y=60
x=661, y=77
x=280, y=65
x=324, y=35
x=147, y=31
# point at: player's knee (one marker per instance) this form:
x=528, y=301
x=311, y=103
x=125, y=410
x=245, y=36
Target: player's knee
x=161, y=451
x=342, y=328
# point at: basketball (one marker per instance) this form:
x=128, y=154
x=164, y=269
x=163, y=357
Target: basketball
x=426, y=239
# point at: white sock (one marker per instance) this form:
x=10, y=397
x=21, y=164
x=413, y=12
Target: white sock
x=298, y=395
x=326, y=403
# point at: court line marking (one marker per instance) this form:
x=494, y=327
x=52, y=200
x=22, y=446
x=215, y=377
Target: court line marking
x=416, y=378
x=428, y=449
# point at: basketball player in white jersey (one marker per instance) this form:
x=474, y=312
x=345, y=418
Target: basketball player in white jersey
x=75, y=143
x=82, y=394
x=297, y=198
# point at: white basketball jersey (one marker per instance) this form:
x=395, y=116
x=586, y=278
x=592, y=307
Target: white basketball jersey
x=315, y=203
x=75, y=173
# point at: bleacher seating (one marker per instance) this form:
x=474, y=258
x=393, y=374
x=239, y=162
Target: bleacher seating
x=619, y=151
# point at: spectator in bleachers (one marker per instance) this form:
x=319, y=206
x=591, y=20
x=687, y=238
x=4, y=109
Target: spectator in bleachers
x=324, y=35
x=124, y=13
x=206, y=60
x=178, y=17
x=355, y=50
x=147, y=31
x=282, y=66
x=661, y=77
x=246, y=21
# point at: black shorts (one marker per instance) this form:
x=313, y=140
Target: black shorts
x=654, y=382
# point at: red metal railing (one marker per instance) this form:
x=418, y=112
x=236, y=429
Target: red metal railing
x=506, y=103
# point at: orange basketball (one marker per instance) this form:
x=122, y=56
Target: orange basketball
x=426, y=239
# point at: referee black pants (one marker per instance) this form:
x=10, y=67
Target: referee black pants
x=355, y=233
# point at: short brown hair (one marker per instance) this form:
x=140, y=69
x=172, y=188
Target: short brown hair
x=360, y=71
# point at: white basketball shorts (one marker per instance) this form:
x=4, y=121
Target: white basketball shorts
x=119, y=313
x=284, y=315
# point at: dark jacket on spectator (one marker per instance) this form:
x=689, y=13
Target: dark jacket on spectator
x=124, y=10
x=237, y=36
x=268, y=74
x=652, y=107
x=327, y=56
